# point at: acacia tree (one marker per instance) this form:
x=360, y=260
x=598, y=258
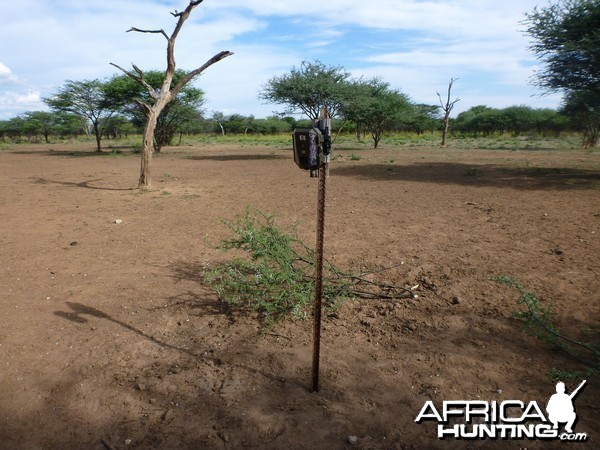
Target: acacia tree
x=566, y=38
x=425, y=118
x=40, y=122
x=87, y=100
x=168, y=90
x=447, y=108
x=376, y=108
x=356, y=107
x=126, y=94
x=309, y=88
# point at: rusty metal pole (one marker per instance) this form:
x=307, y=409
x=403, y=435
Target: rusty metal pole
x=323, y=174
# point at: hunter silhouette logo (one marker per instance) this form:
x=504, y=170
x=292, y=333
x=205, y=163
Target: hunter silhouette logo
x=560, y=407
x=508, y=419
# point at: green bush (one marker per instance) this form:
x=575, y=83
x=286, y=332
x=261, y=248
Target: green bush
x=277, y=275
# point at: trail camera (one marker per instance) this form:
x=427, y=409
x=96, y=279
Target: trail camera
x=308, y=148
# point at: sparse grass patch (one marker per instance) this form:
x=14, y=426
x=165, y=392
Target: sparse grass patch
x=269, y=140
x=539, y=321
x=191, y=196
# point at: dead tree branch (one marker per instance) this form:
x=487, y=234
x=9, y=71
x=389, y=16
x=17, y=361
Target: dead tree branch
x=187, y=78
x=161, y=31
x=447, y=108
x=166, y=93
x=139, y=78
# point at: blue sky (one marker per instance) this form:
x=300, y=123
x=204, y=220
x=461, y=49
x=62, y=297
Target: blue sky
x=415, y=45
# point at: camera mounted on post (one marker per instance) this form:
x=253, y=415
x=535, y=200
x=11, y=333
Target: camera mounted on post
x=312, y=146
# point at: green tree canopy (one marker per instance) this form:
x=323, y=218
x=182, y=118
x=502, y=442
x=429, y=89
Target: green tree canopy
x=376, y=108
x=566, y=38
x=40, y=123
x=127, y=95
x=516, y=119
x=424, y=118
x=308, y=88
x=86, y=99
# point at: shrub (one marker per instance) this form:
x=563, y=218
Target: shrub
x=277, y=276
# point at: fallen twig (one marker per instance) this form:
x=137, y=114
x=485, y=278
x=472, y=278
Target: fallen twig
x=107, y=444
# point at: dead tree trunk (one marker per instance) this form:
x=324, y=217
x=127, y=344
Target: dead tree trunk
x=151, y=119
x=447, y=108
x=167, y=92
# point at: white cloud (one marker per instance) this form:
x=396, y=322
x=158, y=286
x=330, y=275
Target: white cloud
x=6, y=75
x=5, y=72
x=452, y=17
x=416, y=45
x=28, y=98
x=422, y=86
x=15, y=102
x=233, y=84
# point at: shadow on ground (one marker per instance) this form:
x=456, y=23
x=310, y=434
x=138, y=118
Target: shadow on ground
x=238, y=157
x=114, y=152
x=88, y=184
x=534, y=178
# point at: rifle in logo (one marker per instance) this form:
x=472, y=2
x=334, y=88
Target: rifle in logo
x=560, y=407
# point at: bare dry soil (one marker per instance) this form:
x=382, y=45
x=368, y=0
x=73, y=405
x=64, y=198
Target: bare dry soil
x=109, y=338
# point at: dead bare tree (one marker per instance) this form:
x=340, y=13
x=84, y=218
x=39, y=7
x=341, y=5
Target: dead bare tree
x=447, y=108
x=167, y=92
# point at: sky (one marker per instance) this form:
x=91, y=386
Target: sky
x=416, y=46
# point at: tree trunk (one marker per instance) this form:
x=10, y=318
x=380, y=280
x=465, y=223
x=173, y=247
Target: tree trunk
x=445, y=130
x=591, y=131
x=591, y=137
x=145, y=180
x=376, y=138
x=98, y=137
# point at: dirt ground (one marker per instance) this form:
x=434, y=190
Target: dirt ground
x=109, y=339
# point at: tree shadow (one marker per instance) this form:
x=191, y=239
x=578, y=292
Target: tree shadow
x=245, y=157
x=202, y=304
x=79, y=311
x=276, y=396
x=75, y=154
x=528, y=178
x=201, y=300
x=82, y=184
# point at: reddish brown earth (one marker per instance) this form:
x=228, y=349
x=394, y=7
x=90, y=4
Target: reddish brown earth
x=108, y=337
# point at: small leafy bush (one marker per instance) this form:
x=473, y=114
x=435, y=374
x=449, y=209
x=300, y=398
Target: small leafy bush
x=277, y=275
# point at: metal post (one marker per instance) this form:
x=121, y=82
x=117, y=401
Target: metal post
x=323, y=174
